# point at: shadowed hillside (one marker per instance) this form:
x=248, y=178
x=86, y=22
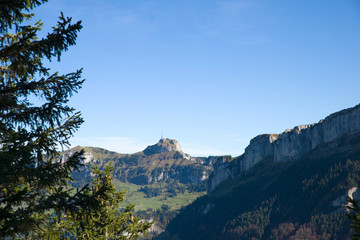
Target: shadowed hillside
x=287, y=186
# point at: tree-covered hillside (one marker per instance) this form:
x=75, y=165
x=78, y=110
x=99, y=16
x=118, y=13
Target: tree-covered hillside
x=290, y=200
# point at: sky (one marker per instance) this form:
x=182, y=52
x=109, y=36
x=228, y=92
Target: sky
x=212, y=74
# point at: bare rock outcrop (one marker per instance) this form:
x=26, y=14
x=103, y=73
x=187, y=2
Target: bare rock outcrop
x=290, y=145
x=293, y=144
x=260, y=147
x=164, y=145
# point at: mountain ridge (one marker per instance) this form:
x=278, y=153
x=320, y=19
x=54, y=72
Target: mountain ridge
x=298, y=194
x=290, y=145
x=162, y=162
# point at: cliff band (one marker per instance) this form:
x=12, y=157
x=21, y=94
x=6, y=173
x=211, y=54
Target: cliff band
x=289, y=145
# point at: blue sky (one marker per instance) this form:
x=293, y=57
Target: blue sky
x=211, y=74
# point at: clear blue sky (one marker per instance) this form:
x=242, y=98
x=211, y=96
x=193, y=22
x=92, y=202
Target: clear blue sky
x=210, y=73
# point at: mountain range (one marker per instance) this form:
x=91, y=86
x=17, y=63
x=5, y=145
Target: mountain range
x=160, y=180
x=162, y=162
x=291, y=185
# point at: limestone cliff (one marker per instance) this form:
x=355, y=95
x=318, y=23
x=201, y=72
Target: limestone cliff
x=288, y=146
x=164, y=145
x=293, y=144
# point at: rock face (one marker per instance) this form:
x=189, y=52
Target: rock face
x=164, y=145
x=293, y=144
x=259, y=148
x=223, y=170
x=289, y=145
x=340, y=203
x=87, y=157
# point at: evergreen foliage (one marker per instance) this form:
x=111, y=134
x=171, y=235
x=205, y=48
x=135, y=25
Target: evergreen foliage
x=354, y=216
x=35, y=122
x=103, y=219
x=161, y=218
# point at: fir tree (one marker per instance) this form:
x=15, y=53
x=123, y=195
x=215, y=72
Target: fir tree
x=103, y=220
x=35, y=122
x=354, y=216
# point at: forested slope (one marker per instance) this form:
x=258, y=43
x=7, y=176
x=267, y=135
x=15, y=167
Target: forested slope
x=301, y=199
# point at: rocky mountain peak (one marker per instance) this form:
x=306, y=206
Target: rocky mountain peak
x=164, y=145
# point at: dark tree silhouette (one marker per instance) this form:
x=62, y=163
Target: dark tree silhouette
x=354, y=216
x=35, y=124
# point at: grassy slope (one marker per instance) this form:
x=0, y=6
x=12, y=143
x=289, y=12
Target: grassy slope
x=143, y=203
x=171, y=193
x=140, y=161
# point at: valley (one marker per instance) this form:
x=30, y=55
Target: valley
x=160, y=180
x=291, y=185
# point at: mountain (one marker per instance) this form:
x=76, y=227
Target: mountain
x=161, y=162
x=290, y=145
x=291, y=185
x=165, y=145
x=159, y=180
